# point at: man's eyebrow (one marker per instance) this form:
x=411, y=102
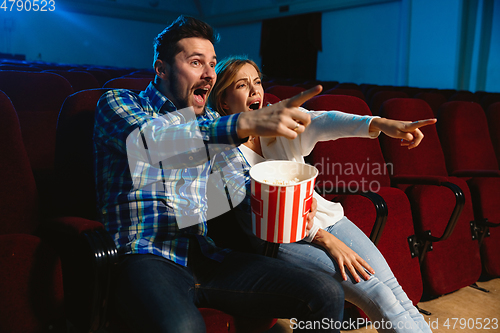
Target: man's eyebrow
x=201, y=55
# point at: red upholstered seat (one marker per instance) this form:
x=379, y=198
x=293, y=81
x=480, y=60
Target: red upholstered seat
x=37, y=255
x=356, y=166
x=489, y=98
x=74, y=165
x=78, y=80
x=37, y=98
x=493, y=117
x=134, y=83
x=270, y=99
x=434, y=99
x=464, y=95
x=345, y=91
x=284, y=92
x=437, y=202
x=381, y=96
x=469, y=154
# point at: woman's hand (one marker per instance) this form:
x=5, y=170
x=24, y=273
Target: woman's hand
x=344, y=256
x=311, y=214
x=408, y=132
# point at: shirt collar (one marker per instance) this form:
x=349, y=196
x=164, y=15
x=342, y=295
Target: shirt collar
x=157, y=100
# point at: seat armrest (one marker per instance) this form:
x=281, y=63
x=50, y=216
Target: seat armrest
x=88, y=257
x=376, y=199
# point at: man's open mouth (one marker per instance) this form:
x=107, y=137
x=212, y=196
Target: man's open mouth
x=200, y=95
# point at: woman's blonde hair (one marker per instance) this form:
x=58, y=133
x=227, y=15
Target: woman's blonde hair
x=226, y=71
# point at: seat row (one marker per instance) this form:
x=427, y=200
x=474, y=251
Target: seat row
x=57, y=260
x=375, y=95
x=431, y=210
x=418, y=207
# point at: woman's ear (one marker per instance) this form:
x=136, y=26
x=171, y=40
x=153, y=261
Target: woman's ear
x=224, y=106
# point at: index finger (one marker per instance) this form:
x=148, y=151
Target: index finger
x=301, y=98
x=421, y=123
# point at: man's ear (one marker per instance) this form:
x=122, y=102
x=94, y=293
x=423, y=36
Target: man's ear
x=161, y=69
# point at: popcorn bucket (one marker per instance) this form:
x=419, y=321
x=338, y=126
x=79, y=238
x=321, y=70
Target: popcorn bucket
x=282, y=193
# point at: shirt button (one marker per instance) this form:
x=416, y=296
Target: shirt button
x=190, y=158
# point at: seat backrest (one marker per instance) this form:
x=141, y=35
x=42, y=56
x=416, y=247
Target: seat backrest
x=345, y=91
x=18, y=194
x=37, y=98
x=284, y=92
x=135, y=83
x=381, y=96
x=464, y=95
x=101, y=76
x=428, y=159
x=348, y=85
x=270, y=99
x=348, y=161
x=79, y=80
x=465, y=139
x=489, y=98
x=74, y=154
x=434, y=99
x=493, y=116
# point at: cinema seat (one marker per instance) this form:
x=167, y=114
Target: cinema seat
x=78, y=80
x=37, y=98
x=381, y=96
x=441, y=205
x=434, y=99
x=74, y=165
x=362, y=186
x=50, y=268
x=284, y=92
x=493, y=117
x=345, y=91
x=469, y=154
x=270, y=99
x=134, y=83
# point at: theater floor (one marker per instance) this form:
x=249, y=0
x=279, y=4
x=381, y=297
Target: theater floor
x=467, y=310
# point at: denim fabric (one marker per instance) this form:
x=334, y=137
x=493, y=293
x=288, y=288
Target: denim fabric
x=154, y=294
x=380, y=297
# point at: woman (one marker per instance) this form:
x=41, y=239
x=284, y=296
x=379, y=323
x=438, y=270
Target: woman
x=376, y=292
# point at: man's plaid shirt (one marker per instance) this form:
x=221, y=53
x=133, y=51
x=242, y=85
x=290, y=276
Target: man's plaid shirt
x=137, y=207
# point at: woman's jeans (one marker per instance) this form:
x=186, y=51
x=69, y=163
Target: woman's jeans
x=153, y=294
x=380, y=297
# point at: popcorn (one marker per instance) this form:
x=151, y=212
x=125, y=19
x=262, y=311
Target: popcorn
x=282, y=181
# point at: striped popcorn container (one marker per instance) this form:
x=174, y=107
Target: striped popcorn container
x=282, y=193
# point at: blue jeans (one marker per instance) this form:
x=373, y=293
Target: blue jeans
x=153, y=294
x=380, y=297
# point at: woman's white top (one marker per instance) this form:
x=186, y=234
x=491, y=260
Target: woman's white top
x=325, y=125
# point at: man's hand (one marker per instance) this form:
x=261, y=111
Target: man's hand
x=408, y=132
x=311, y=214
x=280, y=119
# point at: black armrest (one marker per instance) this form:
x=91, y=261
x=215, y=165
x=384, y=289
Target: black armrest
x=421, y=243
x=380, y=208
x=88, y=255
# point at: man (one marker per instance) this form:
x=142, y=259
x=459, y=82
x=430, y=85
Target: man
x=167, y=270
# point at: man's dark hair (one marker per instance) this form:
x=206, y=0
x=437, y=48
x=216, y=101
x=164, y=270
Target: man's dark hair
x=165, y=44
